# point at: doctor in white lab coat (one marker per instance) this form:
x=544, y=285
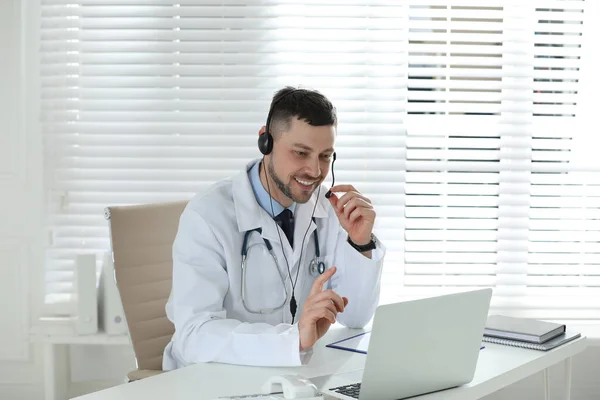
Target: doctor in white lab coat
x=225, y=313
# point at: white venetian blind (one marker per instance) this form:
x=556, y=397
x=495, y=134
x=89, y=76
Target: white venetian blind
x=563, y=274
x=156, y=100
x=499, y=188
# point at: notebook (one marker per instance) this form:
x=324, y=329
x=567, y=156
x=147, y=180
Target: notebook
x=550, y=344
x=522, y=329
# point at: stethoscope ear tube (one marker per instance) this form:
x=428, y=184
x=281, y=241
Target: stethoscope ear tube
x=245, y=242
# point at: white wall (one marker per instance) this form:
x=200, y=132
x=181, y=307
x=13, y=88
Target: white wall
x=22, y=235
x=20, y=363
x=22, y=232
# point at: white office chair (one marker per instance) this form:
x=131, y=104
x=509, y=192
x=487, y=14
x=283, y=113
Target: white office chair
x=142, y=239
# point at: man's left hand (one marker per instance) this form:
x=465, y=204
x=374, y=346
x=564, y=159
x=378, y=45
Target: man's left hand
x=355, y=213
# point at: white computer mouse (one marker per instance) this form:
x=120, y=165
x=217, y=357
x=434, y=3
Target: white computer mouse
x=292, y=386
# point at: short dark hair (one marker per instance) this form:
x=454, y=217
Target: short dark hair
x=307, y=105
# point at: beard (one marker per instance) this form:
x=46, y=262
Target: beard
x=286, y=188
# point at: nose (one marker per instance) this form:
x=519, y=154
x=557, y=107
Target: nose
x=314, y=167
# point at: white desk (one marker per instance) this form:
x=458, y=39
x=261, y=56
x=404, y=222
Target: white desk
x=57, y=369
x=498, y=367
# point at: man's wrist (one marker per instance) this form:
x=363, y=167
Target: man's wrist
x=363, y=247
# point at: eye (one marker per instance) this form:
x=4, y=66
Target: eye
x=326, y=156
x=300, y=153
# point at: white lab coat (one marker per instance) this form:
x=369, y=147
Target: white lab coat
x=205, y=305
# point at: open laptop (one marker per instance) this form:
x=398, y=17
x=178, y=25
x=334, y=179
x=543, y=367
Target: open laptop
x=417, y=347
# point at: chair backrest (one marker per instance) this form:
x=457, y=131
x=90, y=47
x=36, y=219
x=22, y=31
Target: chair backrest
x=142, y=241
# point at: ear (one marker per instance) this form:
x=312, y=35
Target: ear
x=262, y=130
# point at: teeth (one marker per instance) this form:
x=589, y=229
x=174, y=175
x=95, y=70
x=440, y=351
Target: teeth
x=305, y=183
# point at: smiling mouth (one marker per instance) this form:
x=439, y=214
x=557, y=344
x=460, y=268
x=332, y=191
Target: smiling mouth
x=305, y=183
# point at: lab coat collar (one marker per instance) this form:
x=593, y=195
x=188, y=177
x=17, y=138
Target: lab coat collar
x=250, y=215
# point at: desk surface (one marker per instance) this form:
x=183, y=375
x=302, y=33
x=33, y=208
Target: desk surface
x=498, y=366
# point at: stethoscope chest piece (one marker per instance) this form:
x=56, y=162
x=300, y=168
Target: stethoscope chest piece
x=317, y=267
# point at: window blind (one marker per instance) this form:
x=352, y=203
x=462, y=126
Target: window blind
x=459, y=119
x=499, y=191
x=156, y=100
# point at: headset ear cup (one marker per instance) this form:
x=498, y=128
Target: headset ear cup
x=265, y=143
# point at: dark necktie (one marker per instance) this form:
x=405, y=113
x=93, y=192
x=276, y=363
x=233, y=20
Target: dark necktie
x=286, y=221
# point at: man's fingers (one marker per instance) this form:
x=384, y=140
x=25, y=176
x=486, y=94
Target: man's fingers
x=354, y=215
x=343, y=188
x=317, y=286
x=325, y=303
x=333, y=200
x=350, y=207
x=347, y=198
x=330, y=296
x=317, y=314
x=345, y=301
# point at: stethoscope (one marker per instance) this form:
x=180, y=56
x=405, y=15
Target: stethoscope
x=316, y=266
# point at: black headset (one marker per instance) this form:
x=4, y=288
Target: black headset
x=265, y=139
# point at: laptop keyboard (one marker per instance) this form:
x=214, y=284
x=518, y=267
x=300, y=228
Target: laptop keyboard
x=348, y=390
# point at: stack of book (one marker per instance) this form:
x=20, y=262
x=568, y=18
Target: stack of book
x=526, y=333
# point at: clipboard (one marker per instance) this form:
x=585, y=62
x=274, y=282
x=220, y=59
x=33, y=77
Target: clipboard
x=357, y=343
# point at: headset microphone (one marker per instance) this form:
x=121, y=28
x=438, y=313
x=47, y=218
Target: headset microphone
x=328, y=194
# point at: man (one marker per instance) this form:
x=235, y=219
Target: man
x=264, y=263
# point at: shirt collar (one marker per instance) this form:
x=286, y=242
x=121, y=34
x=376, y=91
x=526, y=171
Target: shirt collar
x=262, y=197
